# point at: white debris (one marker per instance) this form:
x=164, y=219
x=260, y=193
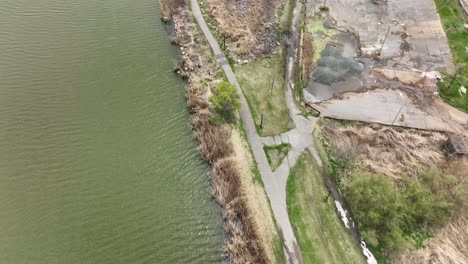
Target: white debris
x=370, y=258
x=431, y=75
x=344, y=216
x=462, y=90
x=343, y=213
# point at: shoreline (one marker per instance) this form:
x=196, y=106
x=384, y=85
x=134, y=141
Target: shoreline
x=252, y=236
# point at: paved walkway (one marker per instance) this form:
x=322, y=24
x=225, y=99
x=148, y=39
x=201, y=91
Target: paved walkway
x=300, y=137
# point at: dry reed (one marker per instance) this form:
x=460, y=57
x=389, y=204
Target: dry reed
x=388, y=151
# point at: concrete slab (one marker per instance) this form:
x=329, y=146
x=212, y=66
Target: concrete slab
x=413, y=34
x=385, y=106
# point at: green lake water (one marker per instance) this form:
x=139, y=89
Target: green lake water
x=97, y=161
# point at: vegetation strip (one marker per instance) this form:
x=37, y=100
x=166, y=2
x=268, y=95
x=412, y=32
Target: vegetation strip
x=250, y=240
x=454, y=87
x=321, y=234
x=401, y=196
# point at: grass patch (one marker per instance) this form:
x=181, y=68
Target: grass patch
x=276, y=154
x=321, y=235
x=285, y=15
x=453, y=17
x=256, y=79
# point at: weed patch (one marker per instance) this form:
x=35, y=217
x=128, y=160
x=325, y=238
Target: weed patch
x=453, y=18
x=276, y=154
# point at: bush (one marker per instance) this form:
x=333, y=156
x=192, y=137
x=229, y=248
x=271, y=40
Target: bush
x=324, y=9
x=376, y=207
x=431, y=199
x=390, y=216
x=226, y=101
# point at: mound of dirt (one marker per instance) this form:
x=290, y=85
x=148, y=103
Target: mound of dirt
x=248, y=25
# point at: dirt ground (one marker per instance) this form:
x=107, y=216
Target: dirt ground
x=249, y=25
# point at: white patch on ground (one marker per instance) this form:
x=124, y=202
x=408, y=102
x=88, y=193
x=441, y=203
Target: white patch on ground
x=462, y=90
x=345, y=218
x=343, y=213
x=432, y=75
x=370, y=258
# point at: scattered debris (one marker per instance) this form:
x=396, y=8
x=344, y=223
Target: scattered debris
x=462, y=90
x=457, y=145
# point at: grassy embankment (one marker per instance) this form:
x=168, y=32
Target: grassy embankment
x=276, y=154
x=398, y=183
x=262, y=82
x=321, y=235
x=453, y=17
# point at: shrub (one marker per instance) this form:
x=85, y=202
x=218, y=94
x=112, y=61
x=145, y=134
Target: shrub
x=324, y=9
x=376, y=207
x=225, y=101
x=431, y=199
x=390, y=216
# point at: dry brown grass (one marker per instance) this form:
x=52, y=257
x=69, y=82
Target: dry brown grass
x=244, y=245
x=449, y=246
x=255, y=198
x=249, y=26
x=385, y=150
x=307, y=56
x=213, y=140
x=170, y=7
